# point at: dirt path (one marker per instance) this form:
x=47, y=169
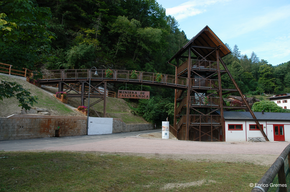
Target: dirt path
x=262, y=153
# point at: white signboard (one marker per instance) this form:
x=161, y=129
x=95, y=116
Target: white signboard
x=100, y=126
x=165, y=129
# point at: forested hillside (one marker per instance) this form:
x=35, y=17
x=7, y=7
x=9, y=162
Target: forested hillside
x=119, y=34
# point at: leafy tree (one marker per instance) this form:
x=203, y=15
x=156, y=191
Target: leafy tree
x=25, y=45
x=12, y=89
x=268, y=106
x=266, y=80
x=156, y=109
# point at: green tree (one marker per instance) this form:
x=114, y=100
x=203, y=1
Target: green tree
x=268, y=106
x=267, y=80
x=12, y=89
x=29, y=42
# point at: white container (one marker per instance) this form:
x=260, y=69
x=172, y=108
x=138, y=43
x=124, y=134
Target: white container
x=165, y=129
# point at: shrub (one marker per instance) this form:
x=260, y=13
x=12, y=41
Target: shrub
x=58, y=94
x=109, y=73
x=158, y=77
x=82, y=108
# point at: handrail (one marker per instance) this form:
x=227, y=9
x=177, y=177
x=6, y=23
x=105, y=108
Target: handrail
x=7, y=68
x=118, y=75
x=277, y=168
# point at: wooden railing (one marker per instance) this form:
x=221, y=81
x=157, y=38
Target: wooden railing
x=209, y=65
x=7, y=68
x=201, y=119
x=172, y=130
x=277, y=178
x=183, y=67
x=197, y=64
x=181, y=105
x=202, y=82
x=204, y=101
x=118, y=75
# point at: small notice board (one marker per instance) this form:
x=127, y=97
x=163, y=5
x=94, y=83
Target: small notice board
x=131, y=94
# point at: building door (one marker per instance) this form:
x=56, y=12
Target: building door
x=279, y=134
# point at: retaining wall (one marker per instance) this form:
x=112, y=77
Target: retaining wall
x=40, y=126
x=35, y=126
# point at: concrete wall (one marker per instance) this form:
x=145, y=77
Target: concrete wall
x=40, y=126
x=35, y=126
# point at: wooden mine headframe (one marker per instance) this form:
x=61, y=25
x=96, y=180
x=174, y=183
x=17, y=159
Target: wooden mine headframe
x=198, y=113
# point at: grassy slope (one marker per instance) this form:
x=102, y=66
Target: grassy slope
x=10, y=106
x=85, y=171
x=116, y=108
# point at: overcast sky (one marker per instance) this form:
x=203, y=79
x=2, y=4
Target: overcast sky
x=260, y=26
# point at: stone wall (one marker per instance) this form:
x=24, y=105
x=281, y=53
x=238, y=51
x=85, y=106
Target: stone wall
x=40, y=126
x=36, y=126
x=119, y=126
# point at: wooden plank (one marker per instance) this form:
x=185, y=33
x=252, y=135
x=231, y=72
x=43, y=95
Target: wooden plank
x=5, y=64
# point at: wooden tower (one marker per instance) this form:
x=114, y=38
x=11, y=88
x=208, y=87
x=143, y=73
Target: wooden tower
x=198, y=114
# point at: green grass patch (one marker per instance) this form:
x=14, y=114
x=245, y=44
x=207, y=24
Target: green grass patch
x=75, y=171
x=44, y=100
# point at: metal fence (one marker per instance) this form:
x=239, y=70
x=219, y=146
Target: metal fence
x=277, y=177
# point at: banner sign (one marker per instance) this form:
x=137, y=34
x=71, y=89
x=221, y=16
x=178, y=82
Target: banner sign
x=131, y=94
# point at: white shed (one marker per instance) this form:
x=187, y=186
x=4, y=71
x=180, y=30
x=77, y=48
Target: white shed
x=240, y=126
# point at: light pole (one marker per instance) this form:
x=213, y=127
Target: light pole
x=96, y=73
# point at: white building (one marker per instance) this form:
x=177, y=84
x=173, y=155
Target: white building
x=282, y=100
x=240, y=126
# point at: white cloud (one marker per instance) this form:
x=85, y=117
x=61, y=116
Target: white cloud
x=258, y=22
x=190, y=8
x=275, y=51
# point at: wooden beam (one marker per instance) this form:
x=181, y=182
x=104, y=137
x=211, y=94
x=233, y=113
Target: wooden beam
x=188, y=95
x=242, y=96
x=105, y=97
x=220, y=94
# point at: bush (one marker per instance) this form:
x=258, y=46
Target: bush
x=268, y=106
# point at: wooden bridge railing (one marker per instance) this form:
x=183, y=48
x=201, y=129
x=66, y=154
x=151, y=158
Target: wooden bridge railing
x=118, y=75
x=277, y=177
x=7, y=68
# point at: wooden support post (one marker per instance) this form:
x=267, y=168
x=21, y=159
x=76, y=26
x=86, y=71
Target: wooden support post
x=83, y=93
x=175, y=98
x=10, y=69
x=220, y=94
x=188, y=103
x=25, y=72
x=60, y=86
x=211, y=133
x=105, y=97
x=282, y=179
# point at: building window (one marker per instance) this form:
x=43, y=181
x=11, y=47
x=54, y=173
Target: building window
x=254, y=127
x=236, y=127
x=278, y=101
x=284, y=101
x=285, y=107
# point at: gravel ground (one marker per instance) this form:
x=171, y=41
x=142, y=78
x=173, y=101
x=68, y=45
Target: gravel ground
x=149, y=144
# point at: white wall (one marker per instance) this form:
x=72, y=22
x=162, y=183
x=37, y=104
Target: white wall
x=245, y=134
x=235, y=135
x=281, y=104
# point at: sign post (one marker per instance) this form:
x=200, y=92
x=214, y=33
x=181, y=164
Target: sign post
x=165, y=129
